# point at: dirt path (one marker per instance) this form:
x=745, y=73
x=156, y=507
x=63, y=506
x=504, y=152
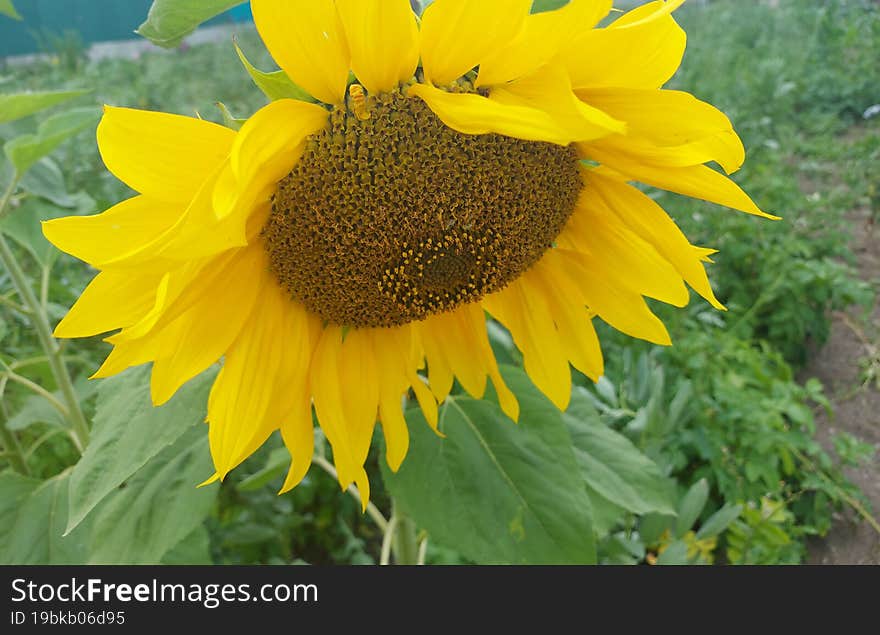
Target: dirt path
x=856, y=406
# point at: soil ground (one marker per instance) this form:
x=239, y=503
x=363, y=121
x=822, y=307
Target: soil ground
x=841, y=366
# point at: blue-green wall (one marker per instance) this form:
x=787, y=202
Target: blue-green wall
x=95, y=20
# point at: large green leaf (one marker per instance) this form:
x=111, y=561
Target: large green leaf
x=194, y=549
x=35, y=410
x=275, y=85
x=19, y=105
x=23, y=226
x=27, y=149
x=128, y=431
x=32, y=519
x=8, y=9
x=46, y=180
x=612, y=466
x=157, y=507
x=496, y=491
x=169, y=21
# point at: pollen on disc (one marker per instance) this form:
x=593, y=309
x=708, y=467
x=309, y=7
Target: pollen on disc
x=390, y=217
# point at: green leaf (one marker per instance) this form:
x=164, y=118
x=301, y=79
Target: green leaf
x=275, y=85
x=690, y=507
x=46, y=180
x=277, y=465
x=194, y=549
x=20, y=105
x=32, y=519
x=8, y=9
x=128, y=431
x=719, y=521
x=169, y=21
x=653, y=526
x=35, y=410
x=547, y=5
x=23, y=226
x=606, y=515
x=15, y=489
x=229, y=120
x=158, y=506
x=612, y=466
x=26, y=150
x=674, y=554
x=496, y=491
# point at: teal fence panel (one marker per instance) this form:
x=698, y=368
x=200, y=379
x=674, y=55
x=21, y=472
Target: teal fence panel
x=94, y=20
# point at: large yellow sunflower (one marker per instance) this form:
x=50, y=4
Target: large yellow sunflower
x=476, y=161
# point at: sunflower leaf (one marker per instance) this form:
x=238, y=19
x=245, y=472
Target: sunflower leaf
x=498, y=492
x=128, y=432
x=20, y=105
x=275, y=85
x=540, y=6
x=32, y=518
x=612, y=466
x=169, y=21
x=158, y=507
x=27, y=149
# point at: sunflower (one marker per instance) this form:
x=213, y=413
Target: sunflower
x=341, y=253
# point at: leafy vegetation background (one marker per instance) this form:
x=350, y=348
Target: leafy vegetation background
x=703, y=452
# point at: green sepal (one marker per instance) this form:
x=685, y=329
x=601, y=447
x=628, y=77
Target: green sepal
x=275, y=85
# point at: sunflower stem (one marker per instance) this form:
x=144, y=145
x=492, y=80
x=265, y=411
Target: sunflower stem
x=78, y=425
x=404, y=542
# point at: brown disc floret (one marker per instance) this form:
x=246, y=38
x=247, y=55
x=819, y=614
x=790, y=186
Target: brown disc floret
x=391, y=216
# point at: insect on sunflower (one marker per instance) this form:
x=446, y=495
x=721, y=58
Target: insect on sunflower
x=340, y=253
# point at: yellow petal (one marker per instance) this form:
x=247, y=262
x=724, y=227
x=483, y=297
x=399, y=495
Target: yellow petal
x=641, y=49
x=298, y=434
x=668, y=127
x=128, y=354
x=112, y=300
x=197, y=233
x=549, y=90
x=606, y=292
x=359, y=379
x=166, y=157
x=327, y=391
x=427, y=400
x=440, y=376
x=522, y=308
x=307, y=40
x=217, y=313
x=475, y=335
x=452, y=329
x=241, y=412
x=297, y=339
x=602, y=233
x=391, y=360
x=544, y=35
x=114, y=235
x=384, y=41
x=266, y=145
x=697, y=181
x=470, y=113
x=648, y=220
x=573, y=322
x=458, y=34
